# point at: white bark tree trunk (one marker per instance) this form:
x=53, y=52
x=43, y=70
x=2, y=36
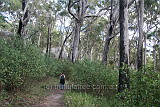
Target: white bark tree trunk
x=76, y=38
x=78, y=17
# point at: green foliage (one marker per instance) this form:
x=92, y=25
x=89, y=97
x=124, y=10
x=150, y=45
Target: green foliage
x=19, y=62
x=73, y=99
x=2, y=20
x=92, y=73
x=11, y=5
x=144, y=90
x=3, y=23
x=63, y=13
x=151, y=4
x=56, y=67
x=58, y=7
x=57, y=37
x=15, y=2
x=3, y=95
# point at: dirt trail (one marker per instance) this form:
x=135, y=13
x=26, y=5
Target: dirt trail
x=54, y=100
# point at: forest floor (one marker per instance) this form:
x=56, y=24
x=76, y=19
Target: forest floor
x=38, y=94
x=55, y=99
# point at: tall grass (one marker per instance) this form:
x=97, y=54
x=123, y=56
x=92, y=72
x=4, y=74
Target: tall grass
x=73, y=99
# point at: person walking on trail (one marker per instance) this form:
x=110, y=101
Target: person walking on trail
x=62, y=81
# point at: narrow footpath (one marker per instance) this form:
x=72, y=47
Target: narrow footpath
x=53, y=100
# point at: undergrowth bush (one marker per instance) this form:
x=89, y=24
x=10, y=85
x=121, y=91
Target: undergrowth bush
x=19, y=62
x=144, y=90
x=92, y=73
x=57, y=66
x=89, y=72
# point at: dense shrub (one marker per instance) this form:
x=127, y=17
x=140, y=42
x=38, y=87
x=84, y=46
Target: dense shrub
x=90, y=72
x=57, y=66
x=95, y=74
x=19, y=62
x=144, y=90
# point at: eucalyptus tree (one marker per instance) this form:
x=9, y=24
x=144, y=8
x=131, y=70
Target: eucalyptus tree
x=10, y=9
x=124, y=46
x=66, y=26
x=78, y=9
x=152, y=21
x=140, y=41
x=113, y=21
x=81, y=7
x=114, y=18
x=25, y=17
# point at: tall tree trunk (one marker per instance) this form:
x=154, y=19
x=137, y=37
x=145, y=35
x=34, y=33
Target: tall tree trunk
x=109, y=37
x=76, y=38
x=155, y=60
x=91, y=54
x=140, y=41
x=124, y=46
x=48, y=42
x=39, y=39
x=40, y=34
x=79, y=16
x=63, y=44
x=113, y=19
x=23, y=21
x=87, y=46
x=106, y=49
x=71, y=46
x=145, y=49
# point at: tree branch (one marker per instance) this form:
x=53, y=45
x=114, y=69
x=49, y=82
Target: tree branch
x=130, y=3
x=69, y=8
x=88, y=16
